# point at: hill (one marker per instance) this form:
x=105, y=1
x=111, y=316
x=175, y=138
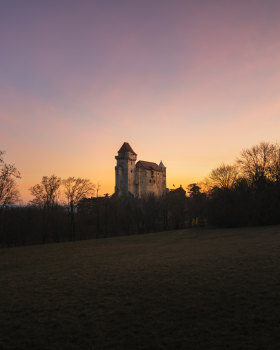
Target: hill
x=190, y=289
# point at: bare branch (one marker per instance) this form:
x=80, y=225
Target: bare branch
x=224, y=176
x=76, y=189
x=9, y=193
x=47, y=192
x=259, y=163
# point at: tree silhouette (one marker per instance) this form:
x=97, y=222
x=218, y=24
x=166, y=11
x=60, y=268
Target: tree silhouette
x=260, y=163
x=9, y=193
x=76, y=189
x=47, y=192
x=193, y=190
x=224, y=176
x=46, y=195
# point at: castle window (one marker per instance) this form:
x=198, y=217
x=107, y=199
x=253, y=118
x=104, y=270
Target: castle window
x=150, y=180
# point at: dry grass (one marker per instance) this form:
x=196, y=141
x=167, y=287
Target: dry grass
x=194, y=289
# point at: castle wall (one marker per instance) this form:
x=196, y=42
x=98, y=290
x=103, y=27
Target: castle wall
x=150, y=181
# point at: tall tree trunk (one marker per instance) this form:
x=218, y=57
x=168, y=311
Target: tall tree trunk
x=73, y=222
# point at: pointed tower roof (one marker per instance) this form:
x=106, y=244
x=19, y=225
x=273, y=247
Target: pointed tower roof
x=161, y=165
x=126, y=148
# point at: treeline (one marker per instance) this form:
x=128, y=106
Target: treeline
x=93, y=218
x=240, y=194
x=248, y=191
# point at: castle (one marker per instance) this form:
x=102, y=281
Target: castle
x=138, y=179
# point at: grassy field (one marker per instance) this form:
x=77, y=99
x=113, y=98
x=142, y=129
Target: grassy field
x=191, y=289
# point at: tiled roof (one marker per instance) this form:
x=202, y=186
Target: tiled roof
x=148, y=165
x=126, y=148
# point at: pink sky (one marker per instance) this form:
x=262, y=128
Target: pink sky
x=187, y=82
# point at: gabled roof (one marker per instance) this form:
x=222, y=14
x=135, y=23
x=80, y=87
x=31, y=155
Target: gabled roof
x=178, y=190
x=126, y=148
x=148, y=165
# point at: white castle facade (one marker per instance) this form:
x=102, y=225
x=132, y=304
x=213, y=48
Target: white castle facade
x=138, y=179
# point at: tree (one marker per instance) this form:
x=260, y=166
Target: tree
x=46, y=195
x=257, y=162
x=9, y=193
x=196, y=201
x=47, y=192
x=275, y=166
x=224, y=176
x=75, y=189
x=193, y=190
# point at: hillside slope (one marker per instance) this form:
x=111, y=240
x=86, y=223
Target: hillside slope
x=191, y=289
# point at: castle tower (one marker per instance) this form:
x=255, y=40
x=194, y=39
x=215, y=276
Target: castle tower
x=125, y=170
x=163, y=188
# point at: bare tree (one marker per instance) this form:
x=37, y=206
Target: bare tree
x=224, y=176
x=275, y=166
x=257, y=162
x=47, y=192
x=9, y=193
x=76, y=189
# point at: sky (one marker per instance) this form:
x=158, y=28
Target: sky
x=187, y=82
